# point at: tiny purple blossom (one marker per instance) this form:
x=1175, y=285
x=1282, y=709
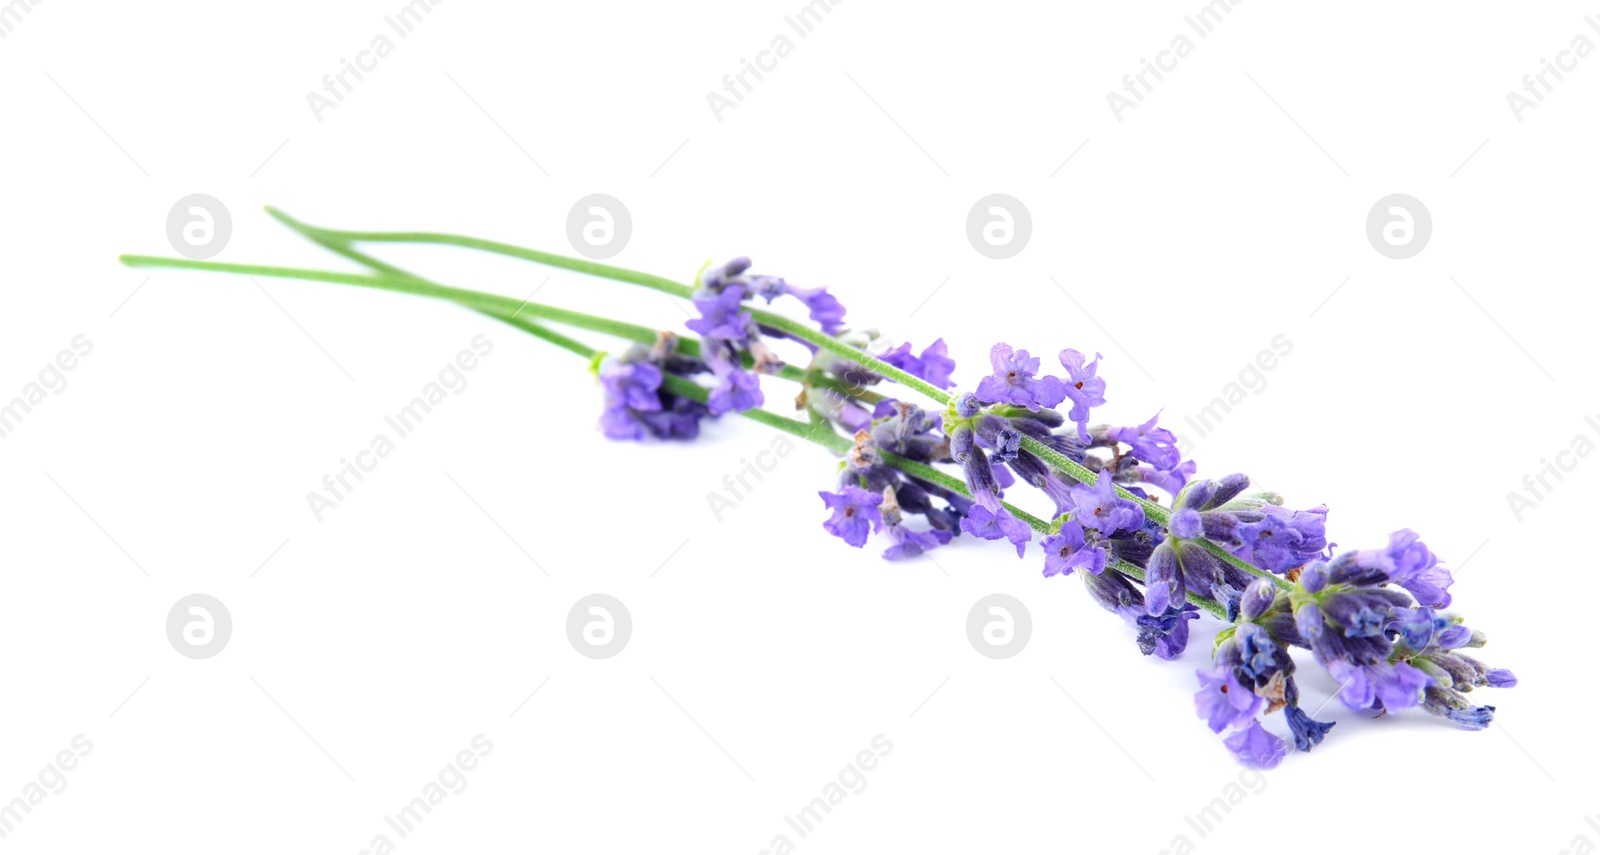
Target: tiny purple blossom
x=1501, y=678
x=855, y=514
x=994, y=525
x=682, y=421
x=1067, y=551
x=618, y=422
x=909, y=542
x=1411, y=565
x=1256, y=746
x=635, y=385
x=739, y=390
x=1084, y=388
x=1156, y=446
x=823, y=307
x=937, y=366
x=722, y=315
x=1186, y=523
x=1223, y=701
x=1396, y=685
x=1099, y=507
x=1014, y=381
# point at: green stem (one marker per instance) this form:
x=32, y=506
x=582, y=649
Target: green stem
x=1060, y=462
x=789, y=327
x=503, y=308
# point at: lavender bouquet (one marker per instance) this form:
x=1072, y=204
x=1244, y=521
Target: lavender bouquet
x=1152, y=543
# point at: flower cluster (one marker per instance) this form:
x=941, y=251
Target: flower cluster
x=1363, y=619
x=635, y=402
x=1370, y=618
x=874, y=497
x=729, y=334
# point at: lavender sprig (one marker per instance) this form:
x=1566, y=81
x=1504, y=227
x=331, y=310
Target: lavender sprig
x=1369, y=617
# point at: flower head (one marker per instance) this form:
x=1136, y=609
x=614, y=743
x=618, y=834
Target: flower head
x=722, y=315
x=855, y=514
x=1099, y=507
x=1014, y=381
x=1067, y=550
x=1156, y=446
x=1084, y=388
x=933, y=364
x=1410, y=564
x=1223, y=701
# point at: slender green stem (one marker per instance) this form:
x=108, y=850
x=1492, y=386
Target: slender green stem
x=785, y=325
x=1062, y=463
x=510, y=311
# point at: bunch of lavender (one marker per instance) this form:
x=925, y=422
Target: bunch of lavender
x=1152, y=543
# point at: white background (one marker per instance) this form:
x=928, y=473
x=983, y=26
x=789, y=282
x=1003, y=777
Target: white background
x=1229, y=207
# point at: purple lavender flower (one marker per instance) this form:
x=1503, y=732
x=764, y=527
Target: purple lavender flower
x=629, y=387
x=997, y=524
x=1281, y=539
x=1395, y=685
x=679, y=421
x=1410, y=564
x=1500, y=678
x=1066, y=551
x=737, y=390
x=1308, y=732
x=1099, y=507
x=1013, y=381
x=824, y=308
x=1156, y=446
x=1256, y=746
x=722, y=315
x=1084, y=388
x=1171, y=480
x=855, y=514
x=635, y=402
x=1223, y=701
x=634, y=385
x=987, y=519
x=1167, y=634
x=933, y=364
x=908, y=543
x=1164, y=636
x=619, y=423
